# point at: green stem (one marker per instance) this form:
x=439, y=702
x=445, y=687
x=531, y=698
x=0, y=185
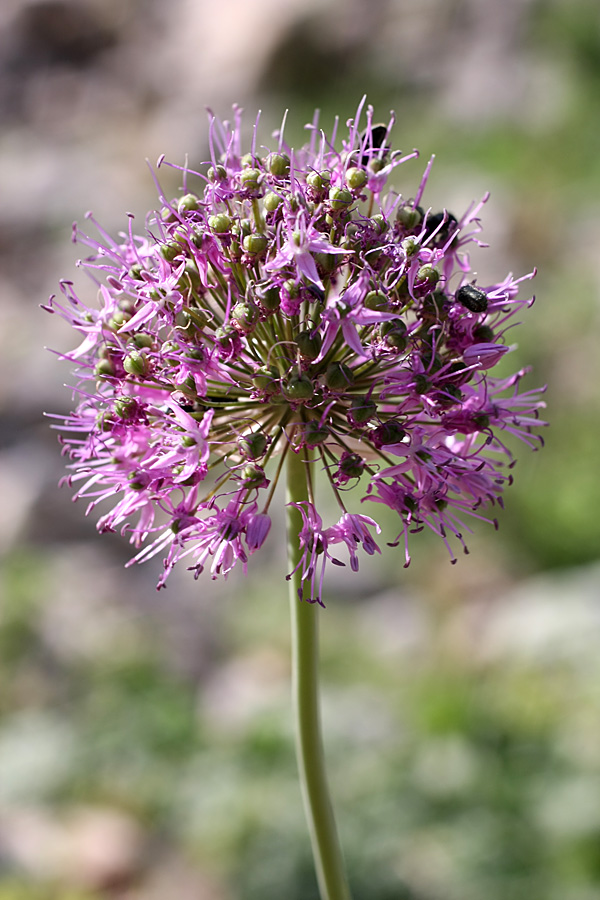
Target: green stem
x=325, y=843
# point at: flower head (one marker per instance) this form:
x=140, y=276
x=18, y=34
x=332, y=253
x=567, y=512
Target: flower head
x=285, y=303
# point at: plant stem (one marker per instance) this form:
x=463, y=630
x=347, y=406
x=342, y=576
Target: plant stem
x=325, y=843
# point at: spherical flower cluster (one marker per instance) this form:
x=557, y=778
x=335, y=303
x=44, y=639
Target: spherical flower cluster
x=287, y=303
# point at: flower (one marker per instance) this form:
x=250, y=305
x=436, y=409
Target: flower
x=285, y=303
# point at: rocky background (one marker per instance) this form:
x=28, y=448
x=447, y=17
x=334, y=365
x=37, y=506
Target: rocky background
x=145, y=745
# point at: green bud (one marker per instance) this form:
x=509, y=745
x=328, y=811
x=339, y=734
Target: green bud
x=220, y=224
x=187, y=203
x=136, y=363
x=137, y=481
x=352, y=465
x=125, y=407
x=422, y=383
x=339, y=199
x=356, y=178
x=410, y=246
x=394, y=334
x=362, y=409
x=249, y=178
x=315, y=181
x=244, y=317
x=298, y=388
x=255, y=244
x=142, y=340
x=278, y=164
x=104, y=367
x=454, y=393
x=167, y=214
x=376, y=300
x=327, y=261
x=338, y=377
x=198, y=237
x=380, y=223
x=266, y=379
x=253, y=445
x=136, y=271
x=429, y=274
x=217, y=173
x=253, y=476
x=409, y=217
x=309, y=344
x=482, y=422
x=170, y=250
x=271, y=201
x=315, y=433
x=118, y=319
x=389, y=433
x=484, y=334
x=268, y=297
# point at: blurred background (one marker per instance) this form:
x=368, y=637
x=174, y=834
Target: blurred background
x=145, y=738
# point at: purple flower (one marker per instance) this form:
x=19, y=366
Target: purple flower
x=291, y=302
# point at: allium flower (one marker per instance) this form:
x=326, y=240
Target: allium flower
x=286, y=303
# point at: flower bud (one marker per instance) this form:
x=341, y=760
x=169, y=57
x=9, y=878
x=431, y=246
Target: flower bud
x=257, y=531
x=298, y=388
x=244, y=317
x=376, y=300
x=394, y=334
x=362, y=409
x=338, y=377
x=105, y=368
x=428, y=274
x=217, y=173
x=136, y=271
x=409, y=217
x=474, y=299
x=255, y=244
x=253, y=445
x=483, y=334
x=315, y=433
x=379, y=223
x=136, y=363
x=220, y=223
x=411, y=246
x=254, y=476
x=249, y=178
x=388, y=433
x=278, y=164
x=137, y=481
x=170, y=250
x=351, y=465
x=271, y=201
x=142, y=340
x=309, y=344
x=339, y=199
x=125, y=407
x=315, y=181
x=268, y=297
x=266, y=379
x=356, y=178
x=422, y=383
x=484, y=356
x=187, y=203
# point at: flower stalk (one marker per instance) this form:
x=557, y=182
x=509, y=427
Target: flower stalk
x=318, y=807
